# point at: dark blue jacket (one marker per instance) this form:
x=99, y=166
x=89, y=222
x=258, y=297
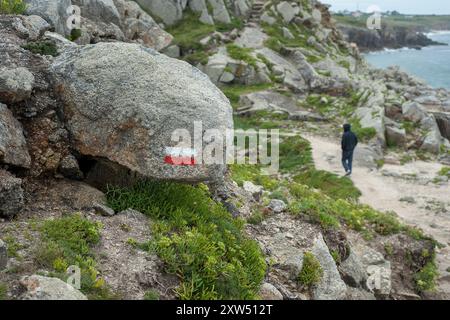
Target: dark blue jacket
x=349, y=139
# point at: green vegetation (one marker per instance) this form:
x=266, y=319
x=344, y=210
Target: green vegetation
x=68, y=241
x=261, y=120
x=151, y=295
x=319, y=103
x=277, y=40
x=332, y=213
x=12, y=7
x=45, y=48
x=74, y=34
x=426, y=277
x=334, y=186
x=188, y=32
x=445, y=172
x=295, y=154
x=242, y=54
x=389, y=249
x=3, y=291
x=234, y=92
x=405, y=159
x=363, y=134
x=256, y=218
x=296, y=157
x=249, y=172
x=13, y=246
x=197, y=238
x=311, y=272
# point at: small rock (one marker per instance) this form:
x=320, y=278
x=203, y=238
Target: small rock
x=287, y=33
x=172, y=51
x=69, y=168
x=289, y=236
x=11, y=195
x=44, y=288
x=353, y=271
x=256, y=191
x=277, y=206
x=293, y=265
x=3, y=255
x=231, y=208
x=269, y=292
x=103, y=210
x=408, y=200
x=15, y=84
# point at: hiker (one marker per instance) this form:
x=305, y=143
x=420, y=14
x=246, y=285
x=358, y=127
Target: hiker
x=349, y=143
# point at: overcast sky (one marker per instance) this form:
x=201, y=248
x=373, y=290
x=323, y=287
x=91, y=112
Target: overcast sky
x=403, y=6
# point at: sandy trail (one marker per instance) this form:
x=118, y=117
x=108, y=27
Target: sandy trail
x=430, y=209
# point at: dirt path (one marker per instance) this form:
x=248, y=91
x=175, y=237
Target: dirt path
x=427, y=205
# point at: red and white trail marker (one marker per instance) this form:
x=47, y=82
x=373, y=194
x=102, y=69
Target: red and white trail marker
x=180, y=156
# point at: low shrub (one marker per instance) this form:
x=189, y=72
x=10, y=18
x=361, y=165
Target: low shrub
x=12, y=6
x=197, y=238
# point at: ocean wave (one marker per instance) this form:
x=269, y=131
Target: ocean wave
x=437, y=33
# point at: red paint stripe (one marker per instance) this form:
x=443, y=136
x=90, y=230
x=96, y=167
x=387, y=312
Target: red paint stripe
x=180, y=161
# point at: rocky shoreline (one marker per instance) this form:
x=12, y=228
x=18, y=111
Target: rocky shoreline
x=387, y=38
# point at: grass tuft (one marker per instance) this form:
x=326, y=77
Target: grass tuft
x=311, y=272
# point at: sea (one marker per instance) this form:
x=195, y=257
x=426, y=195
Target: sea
x=431, y=64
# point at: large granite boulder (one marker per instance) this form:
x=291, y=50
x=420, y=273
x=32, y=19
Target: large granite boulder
x=123, y=102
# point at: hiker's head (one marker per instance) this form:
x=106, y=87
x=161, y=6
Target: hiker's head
x=347, y=127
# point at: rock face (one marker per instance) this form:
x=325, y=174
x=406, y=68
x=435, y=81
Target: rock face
x=169, y=11
x=54, y=12
x=138, y=25
x=223, y=69
x=395, y=38
x=100, y=20
x=118, y=99
x=331, y=286
x=44, y=288
x=13, y=147
x=11, y=195
x=210, y=11
x=104, y=10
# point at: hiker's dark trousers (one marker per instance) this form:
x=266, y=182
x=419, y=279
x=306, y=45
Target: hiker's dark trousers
x=347, y=160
